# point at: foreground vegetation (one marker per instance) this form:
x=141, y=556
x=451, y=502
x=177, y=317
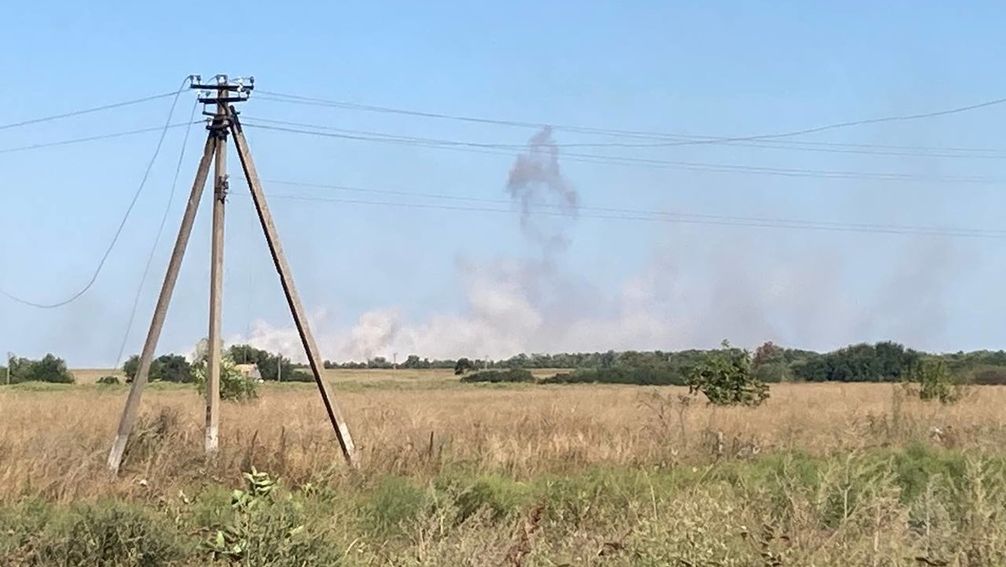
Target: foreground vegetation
x=893, y=507
x=511, y=474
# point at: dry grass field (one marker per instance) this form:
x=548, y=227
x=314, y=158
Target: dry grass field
x=823, y=474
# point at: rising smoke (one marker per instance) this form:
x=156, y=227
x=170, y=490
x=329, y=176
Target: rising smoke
x=697, y=288
x=546, y=199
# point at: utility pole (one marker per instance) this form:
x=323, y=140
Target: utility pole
x=224, y=121
x=218, y=130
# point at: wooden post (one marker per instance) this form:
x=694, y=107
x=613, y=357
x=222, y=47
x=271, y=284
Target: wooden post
x=164, y=299
x=292, y=298
x=213, y=358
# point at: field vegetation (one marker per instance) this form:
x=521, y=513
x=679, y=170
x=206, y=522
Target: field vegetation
x=506, y=474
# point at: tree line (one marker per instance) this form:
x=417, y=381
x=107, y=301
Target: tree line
x=884, y=361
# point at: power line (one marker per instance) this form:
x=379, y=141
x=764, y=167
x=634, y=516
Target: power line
x=115, y=238
x=298, y=99
x=623, y=214
x=829, y=147
x=157, y=237
x=892, y=229
x=94, y=138
x=477, y=147
x=87, y=110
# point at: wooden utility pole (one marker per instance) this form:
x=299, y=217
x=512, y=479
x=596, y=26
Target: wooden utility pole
x=163, y=300
x=218, y=129
x=292, y=297
x=224, y=120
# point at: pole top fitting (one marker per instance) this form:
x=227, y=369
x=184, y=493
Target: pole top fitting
x=223, y=89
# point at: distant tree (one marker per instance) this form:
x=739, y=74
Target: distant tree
x=379, y=362
x=608, y=359
x=769, y=363
x=173, y=368
x=168, y=367
x=49, y=369
x=463, y=365
x=414, y=362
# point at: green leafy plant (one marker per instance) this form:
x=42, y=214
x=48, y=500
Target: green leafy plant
x=108, y=381
x=725, y=378
x=265, y=529
x=234, y=386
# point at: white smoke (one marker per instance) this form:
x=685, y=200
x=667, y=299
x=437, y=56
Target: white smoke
x=697, y=288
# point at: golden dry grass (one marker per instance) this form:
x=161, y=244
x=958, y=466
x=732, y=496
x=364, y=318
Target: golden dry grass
x=53, y=441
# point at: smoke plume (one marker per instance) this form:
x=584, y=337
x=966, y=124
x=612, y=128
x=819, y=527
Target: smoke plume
x=535, y=183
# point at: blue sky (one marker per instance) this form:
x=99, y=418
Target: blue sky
x=380, y=280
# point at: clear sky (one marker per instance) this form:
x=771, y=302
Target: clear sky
x=379, y=279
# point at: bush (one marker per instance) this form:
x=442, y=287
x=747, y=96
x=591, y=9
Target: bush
x=989, y=376
x=936, y=383
x=234, y=386
x=726, y=380
x=498, y=376
x=105, y=533
x=108, y=380
x=643, y=376
x=265, y=529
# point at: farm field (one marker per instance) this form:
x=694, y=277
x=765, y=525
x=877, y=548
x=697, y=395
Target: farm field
x=822, y=474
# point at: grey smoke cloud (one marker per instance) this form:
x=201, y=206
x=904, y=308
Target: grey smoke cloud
x=535, y=181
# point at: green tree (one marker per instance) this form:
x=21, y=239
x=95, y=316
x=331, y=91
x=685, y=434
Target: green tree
x=49, y=369
x=168, y=367
x=463, y=365
x=724, y=377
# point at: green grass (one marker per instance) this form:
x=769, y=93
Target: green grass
x=785, y=509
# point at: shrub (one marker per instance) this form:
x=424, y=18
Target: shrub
x=726, y=379
x=989, y=376
x=107, y=533
x=935, y=382
x=234, y=386
x=108, y=380
x=498, y=376
x=643, y=376
x=264, y=529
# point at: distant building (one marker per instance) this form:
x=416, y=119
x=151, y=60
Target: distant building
x=249, y=371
